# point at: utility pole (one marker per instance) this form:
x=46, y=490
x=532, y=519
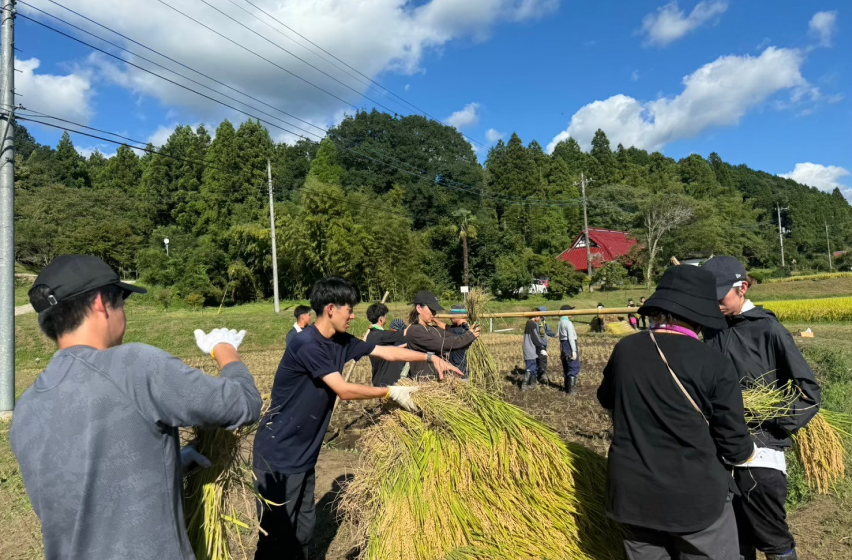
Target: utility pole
x=7, y=213
x=586, y=226
x=781, y=235
x=272, y=233
x=828, y=244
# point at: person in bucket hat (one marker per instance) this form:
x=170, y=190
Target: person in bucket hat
x=676, y=409
x=762, y=351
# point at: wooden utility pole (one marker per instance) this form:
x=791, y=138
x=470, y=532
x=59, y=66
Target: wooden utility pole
x=586, y=225
x=781, y=235
x=272, y=233
x=828, y=244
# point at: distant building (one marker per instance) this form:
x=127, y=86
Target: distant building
x=605, y=245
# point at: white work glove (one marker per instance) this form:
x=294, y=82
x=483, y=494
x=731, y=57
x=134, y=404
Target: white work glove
x=190, y=455
x=542, y=352
x=401, y=395
x=207, y=342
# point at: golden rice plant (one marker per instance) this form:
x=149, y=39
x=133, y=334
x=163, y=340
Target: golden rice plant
x=819, y=445
x=484, y=371
x=476, y=478
x=822, y=276
x=825, y=309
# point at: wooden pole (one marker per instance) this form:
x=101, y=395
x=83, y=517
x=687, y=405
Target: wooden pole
x=560, y=313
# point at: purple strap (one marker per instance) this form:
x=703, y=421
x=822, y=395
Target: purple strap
x=675, y=329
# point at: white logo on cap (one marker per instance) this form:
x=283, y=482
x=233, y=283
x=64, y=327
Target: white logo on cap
x=738, y=275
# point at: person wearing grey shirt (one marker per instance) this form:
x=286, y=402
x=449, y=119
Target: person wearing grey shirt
x=96, y=435
x=570, y=352
x=533, y=346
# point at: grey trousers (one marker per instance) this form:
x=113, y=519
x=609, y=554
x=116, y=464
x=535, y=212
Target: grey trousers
x=716, y=542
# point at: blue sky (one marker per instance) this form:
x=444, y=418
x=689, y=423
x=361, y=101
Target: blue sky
x=767, y=84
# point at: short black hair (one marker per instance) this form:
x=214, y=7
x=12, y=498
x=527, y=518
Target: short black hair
x=301, y=310
x=376, y=312
x=66, y=316
x=333, y=290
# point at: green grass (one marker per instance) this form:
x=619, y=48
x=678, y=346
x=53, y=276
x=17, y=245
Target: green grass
x=806, y=289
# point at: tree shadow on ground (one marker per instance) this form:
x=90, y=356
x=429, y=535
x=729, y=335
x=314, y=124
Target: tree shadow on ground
x=328, y=518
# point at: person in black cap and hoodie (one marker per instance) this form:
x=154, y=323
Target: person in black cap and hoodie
x=458, y=356
x=677, y=413
x=764, y=352
x=97, y=435
x=427, y=334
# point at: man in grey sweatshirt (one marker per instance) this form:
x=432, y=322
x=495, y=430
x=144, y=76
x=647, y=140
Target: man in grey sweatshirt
x=96, y=435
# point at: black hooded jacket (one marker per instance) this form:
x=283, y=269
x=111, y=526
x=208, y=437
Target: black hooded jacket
x=762, y=349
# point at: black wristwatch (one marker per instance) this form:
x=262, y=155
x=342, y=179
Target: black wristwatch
x=429, y=356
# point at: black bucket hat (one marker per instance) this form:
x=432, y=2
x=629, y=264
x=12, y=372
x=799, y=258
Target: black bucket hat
x=689, y=292
x=69, y=276
x=428, y=299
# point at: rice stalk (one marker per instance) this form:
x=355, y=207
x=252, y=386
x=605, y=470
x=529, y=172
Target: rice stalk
x=476, y=477
x=483, y=368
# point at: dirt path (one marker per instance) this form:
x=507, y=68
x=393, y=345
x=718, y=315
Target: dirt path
x=24, y=309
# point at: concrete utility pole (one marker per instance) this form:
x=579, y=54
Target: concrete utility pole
x=781, y=235
x=586, y=225
x=272, y=232
x=828, y=244
x=7, y=213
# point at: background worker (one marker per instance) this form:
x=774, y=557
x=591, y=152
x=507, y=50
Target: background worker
x=533, y=347
x=308, y=379
x=677, y=412
x=303, y=320
x=569, y=351
x=762, y=351
x=427, y=334
x=385, y=373
x=96, y=435
x=631, y=317
x=458, y=356
x=643, y=321
x=544, y=332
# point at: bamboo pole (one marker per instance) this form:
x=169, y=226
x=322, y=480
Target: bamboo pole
x=557, y=313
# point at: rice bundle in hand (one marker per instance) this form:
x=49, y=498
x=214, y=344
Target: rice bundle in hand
x=483, y=368
x=820, y=445
x=476, y=478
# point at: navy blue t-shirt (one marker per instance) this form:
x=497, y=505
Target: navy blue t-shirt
x=291, y=433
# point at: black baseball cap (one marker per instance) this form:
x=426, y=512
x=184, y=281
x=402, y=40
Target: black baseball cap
x=69, y=276
x=566, y=307
x=728, y=271
x=458, y=308
x=428, y=299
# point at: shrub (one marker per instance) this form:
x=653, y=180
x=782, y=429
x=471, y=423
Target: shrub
x=195, y=301
x=165, y=297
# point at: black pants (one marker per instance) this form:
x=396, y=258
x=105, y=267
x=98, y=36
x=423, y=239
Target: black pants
x=761, y=517
x=290, y=526
x=541, y=364
x=716, y=542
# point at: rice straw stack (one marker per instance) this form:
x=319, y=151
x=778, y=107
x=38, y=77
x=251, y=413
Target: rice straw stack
x=483, y=368
x=476, y=478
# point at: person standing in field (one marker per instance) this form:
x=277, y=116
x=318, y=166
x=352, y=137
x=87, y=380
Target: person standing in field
x=96, y=435
x=306, y=385
x=569, y=350
x=427, y=334
x=303, y=321
x=544, y=332
x=677, y=413
x=643, y=321
x=385, y=373
x=763, y=352
x=533, y=347
x=631, y=317
x=458, y=356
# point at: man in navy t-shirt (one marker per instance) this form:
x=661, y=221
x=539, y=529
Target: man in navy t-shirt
x=290, y=436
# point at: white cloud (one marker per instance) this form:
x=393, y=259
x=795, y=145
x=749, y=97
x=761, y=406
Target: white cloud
x=822, y=27
x=670, y=24
x=824, y=177
x=635, y=76
x=466, y=117
x=161, y=135
x=87, y=151
x=68, y=97
x=492, y=135
x=409, y=30
x=717, y=94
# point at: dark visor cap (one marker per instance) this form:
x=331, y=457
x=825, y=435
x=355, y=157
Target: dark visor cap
x=69, y=276
x=428, y=299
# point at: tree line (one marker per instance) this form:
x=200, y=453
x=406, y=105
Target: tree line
x=398, y=204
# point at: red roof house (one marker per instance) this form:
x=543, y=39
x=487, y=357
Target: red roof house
x=605, y=245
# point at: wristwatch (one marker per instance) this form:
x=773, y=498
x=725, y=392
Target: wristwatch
x=429, y=356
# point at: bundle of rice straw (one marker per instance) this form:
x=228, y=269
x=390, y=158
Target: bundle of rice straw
x=820, y=445
x=220, y=501
x=483, y=368
x=476, y=478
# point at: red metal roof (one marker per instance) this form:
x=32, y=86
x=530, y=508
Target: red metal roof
x=605, y=245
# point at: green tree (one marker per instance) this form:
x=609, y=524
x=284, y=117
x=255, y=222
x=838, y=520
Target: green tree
x=611, y=275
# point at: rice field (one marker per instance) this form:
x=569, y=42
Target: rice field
x=811, y=277
x=819, y=310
